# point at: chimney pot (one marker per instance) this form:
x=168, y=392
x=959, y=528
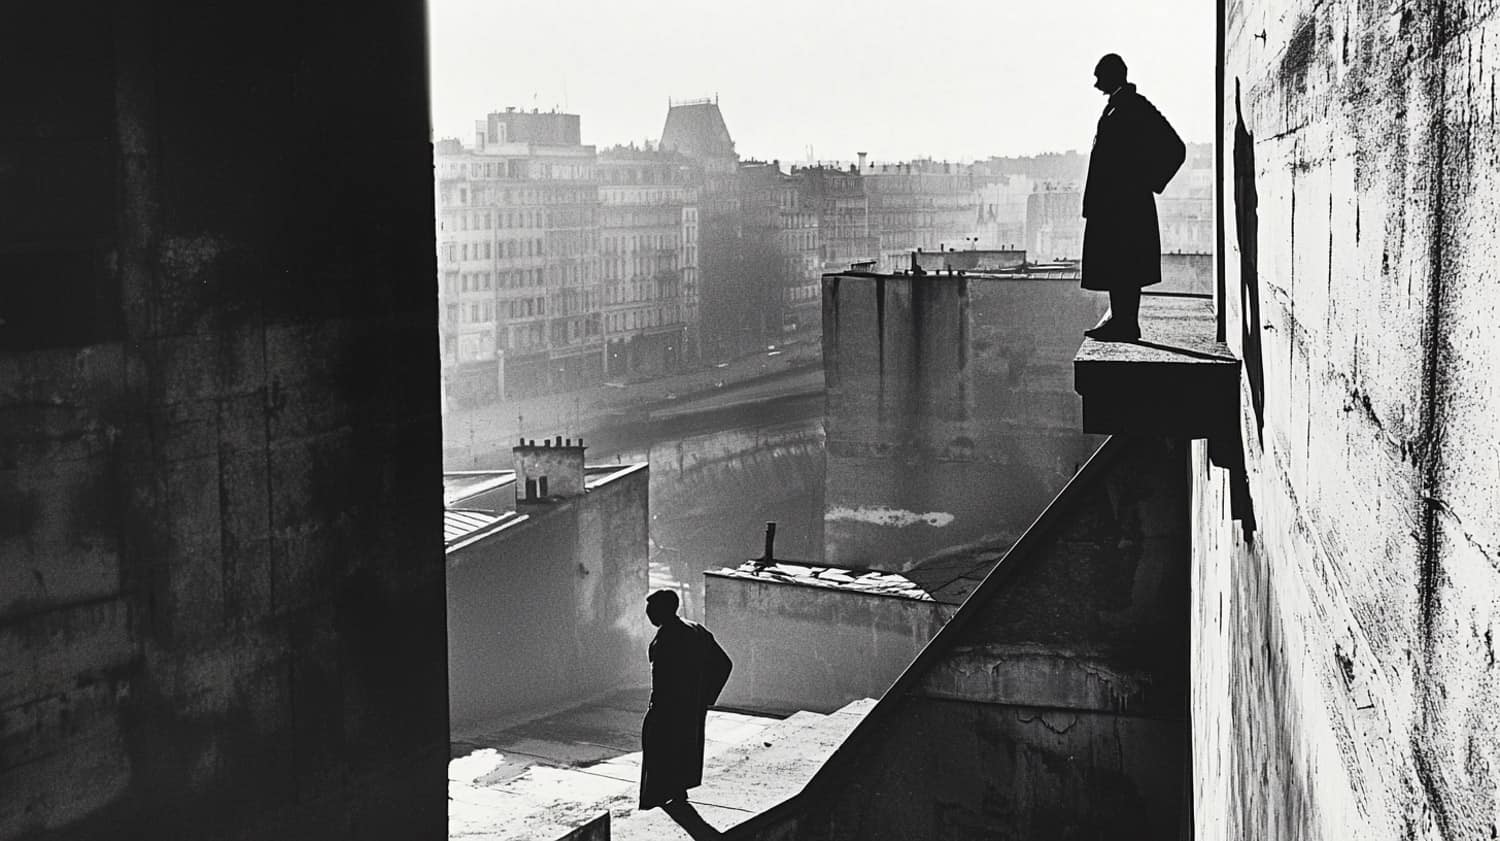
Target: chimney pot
x=770, y=542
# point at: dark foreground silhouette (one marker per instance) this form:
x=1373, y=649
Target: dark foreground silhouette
x=688, y=670
x=1136, y=152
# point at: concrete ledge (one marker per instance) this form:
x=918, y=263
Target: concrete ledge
x=1176, y=380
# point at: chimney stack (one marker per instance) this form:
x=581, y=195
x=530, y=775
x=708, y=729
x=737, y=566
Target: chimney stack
x=770, y=543
x=551, y=471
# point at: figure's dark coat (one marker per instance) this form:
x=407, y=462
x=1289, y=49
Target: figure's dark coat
x=688, y=670
x=1135, y=153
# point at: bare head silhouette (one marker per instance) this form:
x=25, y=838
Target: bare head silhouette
x=1109, y=73
x=661, y=605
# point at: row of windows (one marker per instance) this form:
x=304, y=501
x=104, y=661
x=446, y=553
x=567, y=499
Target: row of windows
x=456, y=282
x=484, y=221
x=485, y=194
x=455, y=251
x=620, y=268
x=639, y=319
x=627, y=197
x=478, y=220
x=625, y=293
x=565, y=332
x=484, y=311
x=626, y=245
x=575, y=302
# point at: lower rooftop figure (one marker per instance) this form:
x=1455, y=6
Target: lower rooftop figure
x=688, y=671
x=1121, y=240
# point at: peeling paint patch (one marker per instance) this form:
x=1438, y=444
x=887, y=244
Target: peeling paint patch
x=882, y=516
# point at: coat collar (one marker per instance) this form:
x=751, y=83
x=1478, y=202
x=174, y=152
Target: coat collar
x=1120, y=93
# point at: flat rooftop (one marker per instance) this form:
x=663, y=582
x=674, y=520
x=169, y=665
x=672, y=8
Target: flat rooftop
x=1069, y=271
x=487, y=512
x=946, y=579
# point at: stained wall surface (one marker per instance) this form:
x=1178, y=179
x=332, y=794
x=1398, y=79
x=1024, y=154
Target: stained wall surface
x=552, y=608
x=951, y=416
x=810, y=648
x=221, y=581
x=1344, y=651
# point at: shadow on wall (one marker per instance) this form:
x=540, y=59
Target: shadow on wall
x=1246, y=225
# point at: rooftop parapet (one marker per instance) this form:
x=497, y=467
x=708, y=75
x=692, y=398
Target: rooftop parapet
x=1178, y=379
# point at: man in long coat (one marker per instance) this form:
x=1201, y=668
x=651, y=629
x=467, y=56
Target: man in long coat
x=688, y=670
x=1135, y=153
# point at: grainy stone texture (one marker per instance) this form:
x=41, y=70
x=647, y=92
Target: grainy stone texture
x=951, y=416
x=1344, y=665
x=221, y=595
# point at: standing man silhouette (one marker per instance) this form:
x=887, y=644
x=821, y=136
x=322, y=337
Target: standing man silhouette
x=1136, y=152
x=688, y=670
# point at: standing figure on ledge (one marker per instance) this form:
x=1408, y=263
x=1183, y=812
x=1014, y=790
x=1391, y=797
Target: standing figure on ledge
x=1136, y=152
x=688, y=670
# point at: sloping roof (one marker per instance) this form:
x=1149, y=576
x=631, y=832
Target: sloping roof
x=697, y=130
x=461, y=524
x=459, y=485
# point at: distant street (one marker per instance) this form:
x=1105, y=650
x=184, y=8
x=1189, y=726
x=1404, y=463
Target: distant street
x=750, y=392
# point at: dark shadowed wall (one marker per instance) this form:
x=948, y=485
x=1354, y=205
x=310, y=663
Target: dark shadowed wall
x=221, y=579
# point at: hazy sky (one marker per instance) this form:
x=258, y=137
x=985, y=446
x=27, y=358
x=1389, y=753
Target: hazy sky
x=949, y=79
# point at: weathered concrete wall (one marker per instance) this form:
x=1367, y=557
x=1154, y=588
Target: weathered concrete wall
x=977, y=772
x=551, y=608
x=595, y=830
x=1344, y=655
x=1054, y=705
x=809, y=648
x=951, y=414
x=221, y=600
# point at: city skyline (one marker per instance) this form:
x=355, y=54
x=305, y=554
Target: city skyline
x=824, y=82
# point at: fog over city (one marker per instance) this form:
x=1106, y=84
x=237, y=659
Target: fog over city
x=954, y=79
x=636, y=214
x=735, y=297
